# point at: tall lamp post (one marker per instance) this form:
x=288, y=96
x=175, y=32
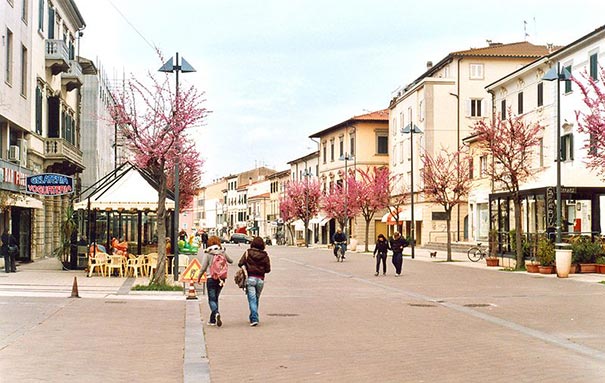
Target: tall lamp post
x=306, y=174
x=555, y=73
x=346, y=157
x=411, y=129
x=175, y=67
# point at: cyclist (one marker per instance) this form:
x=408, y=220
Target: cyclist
x=339, y=239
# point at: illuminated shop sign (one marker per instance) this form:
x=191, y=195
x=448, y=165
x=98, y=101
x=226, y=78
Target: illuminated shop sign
x=50, y=184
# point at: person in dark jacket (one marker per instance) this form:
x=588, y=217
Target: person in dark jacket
x=397, y=245
x=339, y=239
x=257, y=263
x=381, y=248
x=9, y=250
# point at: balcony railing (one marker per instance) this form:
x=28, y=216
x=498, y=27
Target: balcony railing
x=72, y=78
x=60, y=149
x=57, y=56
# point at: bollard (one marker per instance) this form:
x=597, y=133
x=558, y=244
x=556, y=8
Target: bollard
x=74, y=289
x=191, y=293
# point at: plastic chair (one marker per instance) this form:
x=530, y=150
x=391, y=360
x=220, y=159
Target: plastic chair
x=152, y=263
x=136, y=265
x=115, y=262
x=98, y=261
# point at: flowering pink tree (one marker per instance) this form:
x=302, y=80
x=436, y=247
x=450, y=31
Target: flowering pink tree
x=155, y=125
x=371, y=190
x=511, y=143
x=303, y=201
x=286, y=212
x=447, y=183
x=592, y=122
x=399, y=197
x=341, y=203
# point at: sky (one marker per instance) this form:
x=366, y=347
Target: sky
x=273, y=72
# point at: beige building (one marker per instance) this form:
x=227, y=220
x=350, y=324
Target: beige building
x=443, y=104
x=278, y=181
x=358, y=142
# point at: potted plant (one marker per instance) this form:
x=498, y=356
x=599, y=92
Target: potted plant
x=585, y=253
x=545, y=254
x=532, y=264
x=601, y=265
x=492, y=259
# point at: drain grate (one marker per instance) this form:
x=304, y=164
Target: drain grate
x=282, y=315
x=477, y=305
x=421, y=305
x=118, y=302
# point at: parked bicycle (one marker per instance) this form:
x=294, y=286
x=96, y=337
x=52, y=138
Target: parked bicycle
x=476, y=253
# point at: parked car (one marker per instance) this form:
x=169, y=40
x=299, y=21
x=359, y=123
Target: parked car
x=240, y=238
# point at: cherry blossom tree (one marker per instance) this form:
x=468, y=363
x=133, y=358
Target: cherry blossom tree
x=592, y=121
x=341, y=203
x=446, y=183
x=399, y=197
x=286, y=213
x=302, y=199
x=511, y=143
x=155, y=124
x=371, y=191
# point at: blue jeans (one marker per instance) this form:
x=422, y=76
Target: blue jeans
x=214, y=290
x=254, y=288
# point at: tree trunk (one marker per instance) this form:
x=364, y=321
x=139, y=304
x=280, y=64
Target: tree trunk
x=366, y=249
x=448, y=223
x=159, y=277
x=519, y=250
x=306, y=232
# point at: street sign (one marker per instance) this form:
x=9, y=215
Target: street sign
x=192, y=271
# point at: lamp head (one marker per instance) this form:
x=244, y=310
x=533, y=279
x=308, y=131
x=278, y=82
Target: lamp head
x=408, y=129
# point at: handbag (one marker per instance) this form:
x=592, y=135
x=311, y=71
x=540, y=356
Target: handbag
x=241, y=276
x=13, y=248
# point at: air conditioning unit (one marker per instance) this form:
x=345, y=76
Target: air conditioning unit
x=13, y=153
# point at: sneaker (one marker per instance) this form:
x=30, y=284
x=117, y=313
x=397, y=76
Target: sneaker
x=219, y=322
x=253, y=324
x=397, y=275
x=211, y=324
x=385, y=273
x=376, y=274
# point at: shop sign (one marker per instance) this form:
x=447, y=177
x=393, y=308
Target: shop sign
x=50, y=184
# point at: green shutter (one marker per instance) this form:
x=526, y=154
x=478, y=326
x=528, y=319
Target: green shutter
x=594, y=65
x=570, y=146
x=562, y=153
x=568, y=82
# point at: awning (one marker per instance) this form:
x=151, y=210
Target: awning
x=324, y=221
x=299, y=225
x=22, y=200
x=405, y=214
x=316, y=220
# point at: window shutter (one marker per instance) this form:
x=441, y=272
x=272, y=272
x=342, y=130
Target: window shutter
x=484, y=107
x=562, y=155
x=51, y=23
x=468, y=107
x=571, y=147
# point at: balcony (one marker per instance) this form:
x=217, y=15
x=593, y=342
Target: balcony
x=57, y=56
x=72, y=78
x=62, y=157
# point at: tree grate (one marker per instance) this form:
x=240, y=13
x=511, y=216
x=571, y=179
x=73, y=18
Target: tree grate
x=477, y=305
x=282, y=315
x=421, y=305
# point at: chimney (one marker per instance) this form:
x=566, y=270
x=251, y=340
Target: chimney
x=429, y=64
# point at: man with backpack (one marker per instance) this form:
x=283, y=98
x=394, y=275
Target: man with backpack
x=215, y=261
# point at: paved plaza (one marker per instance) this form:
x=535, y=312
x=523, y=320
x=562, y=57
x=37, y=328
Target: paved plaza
x=321, y=321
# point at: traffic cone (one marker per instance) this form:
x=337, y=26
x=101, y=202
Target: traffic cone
x=191, y=293
x=74, y=289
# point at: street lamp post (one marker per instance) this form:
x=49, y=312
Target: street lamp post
x=346, y=157
x=170, y=67
x=306, y=173
x=555, y=73
x=411, y=129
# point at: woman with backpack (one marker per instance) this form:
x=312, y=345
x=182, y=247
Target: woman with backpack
x=257, y=264
x=215, y=261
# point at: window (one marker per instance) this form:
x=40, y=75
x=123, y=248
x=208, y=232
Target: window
x=541, y=152
x=382, y=143
x=352, y=144
x=401, y=121
x=421, y=110
x=567, y=147
x=568, y=82
x=594, y=66
x=325, y=150
x=503, y=109
x=475, y=108
x=476, y=71
x=394, y=155
x=24, y=10
x=540, y=94
x=520, y=103
x=400, y=152
x=51, y=23
x=592, y=145
x=23, y=71
x=38, y=110
x=41, y=16
x=394, y=126
x=483, y=165
x=470, y=168
x=341, y=146
x=9, y=57
x=332, y=150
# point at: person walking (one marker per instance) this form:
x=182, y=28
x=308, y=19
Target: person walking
x=9, y=250
x=204, y=239
x=216, y=258
x=380, y=249
x=397, y=245
x=257, y=263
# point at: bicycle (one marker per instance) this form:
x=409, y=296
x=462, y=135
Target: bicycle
x=476, y=253
x=340, y=251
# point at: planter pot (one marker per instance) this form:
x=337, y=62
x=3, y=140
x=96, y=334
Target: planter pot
x=573, y=269
x=532, y=267
x=563, y=262
x=588, y=267
x=353, y=245
x=601, y=269
x=546, y=269
x=492, y=262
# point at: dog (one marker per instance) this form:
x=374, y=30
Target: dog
x=433, y=254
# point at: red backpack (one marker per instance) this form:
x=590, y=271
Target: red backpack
x=219, y=267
